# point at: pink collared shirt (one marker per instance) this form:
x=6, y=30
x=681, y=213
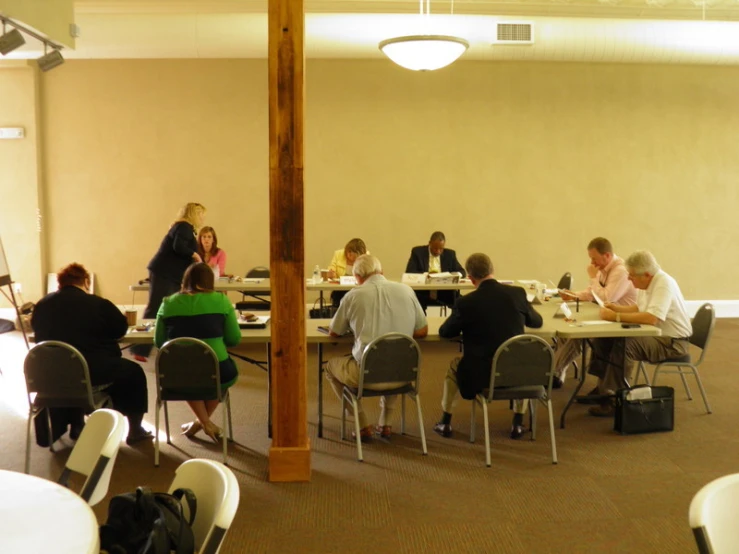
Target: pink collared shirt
x=611, y=284
x=220, y=260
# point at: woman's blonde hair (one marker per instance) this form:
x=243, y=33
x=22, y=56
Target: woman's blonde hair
x=189, y=213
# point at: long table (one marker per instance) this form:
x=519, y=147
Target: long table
x=552, y=327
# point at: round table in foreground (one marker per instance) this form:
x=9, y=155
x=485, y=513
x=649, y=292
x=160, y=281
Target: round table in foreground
x=37, y=516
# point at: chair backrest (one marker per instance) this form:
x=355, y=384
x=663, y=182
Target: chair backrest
x=703, y=322
x=565, y=282
x=392, y=357
x=712, y=516
x=58, y=373
x=259, y=272
x=95, y=452
x=187, y=363
x=217, y=494
x=523, y=360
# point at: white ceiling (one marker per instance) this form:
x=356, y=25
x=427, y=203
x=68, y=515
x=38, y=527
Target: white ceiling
x=633, y=31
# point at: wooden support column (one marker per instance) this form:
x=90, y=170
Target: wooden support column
x=289, y=455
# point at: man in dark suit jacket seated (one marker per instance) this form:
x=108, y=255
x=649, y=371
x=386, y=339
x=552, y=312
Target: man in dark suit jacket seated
x=485, y=318
x=434, y=258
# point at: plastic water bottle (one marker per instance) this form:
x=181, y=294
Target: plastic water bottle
x=317, y=275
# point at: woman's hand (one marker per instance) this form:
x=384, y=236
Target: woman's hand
x=196, y=257
x=331, y=274
x=566, y=295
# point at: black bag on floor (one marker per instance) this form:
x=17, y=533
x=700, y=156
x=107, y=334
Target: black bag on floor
x=145, y=522
x=644, y=409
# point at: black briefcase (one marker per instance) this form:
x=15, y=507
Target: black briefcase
x=327, y=312
x=644, y=415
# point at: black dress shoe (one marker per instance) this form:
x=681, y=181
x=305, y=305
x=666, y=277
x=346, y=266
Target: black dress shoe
x=593, y=397
x=443, y=429
x=517, y=432
x=557, y=382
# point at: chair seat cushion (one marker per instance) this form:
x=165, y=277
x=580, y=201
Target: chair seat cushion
x=405, y=389
x=681, y=360
x=515, y=393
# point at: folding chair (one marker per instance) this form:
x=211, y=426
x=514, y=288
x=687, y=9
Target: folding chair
x=217, y=494
x=58, y=375
x=523, y=367
x=393, y=357
x=187, y=369
x=703, y=323
x=95, y=452
x=261, y=301
x=712, y=516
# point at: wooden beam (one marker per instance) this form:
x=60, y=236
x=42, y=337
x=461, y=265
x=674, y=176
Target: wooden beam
x=289, y=456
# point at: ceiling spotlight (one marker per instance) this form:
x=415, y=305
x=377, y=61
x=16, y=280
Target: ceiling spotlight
x=50, y=60
x=11, y=40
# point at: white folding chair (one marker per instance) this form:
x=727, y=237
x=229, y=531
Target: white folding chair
x=217, y=494
x=95, y=452
x=712, y=516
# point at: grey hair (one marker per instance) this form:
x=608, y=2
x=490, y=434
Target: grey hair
x=479, y=265
x=641, y=262
x=366, y=265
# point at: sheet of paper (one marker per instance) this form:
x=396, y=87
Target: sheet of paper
x=251, y=280
x=594, y=322
x=528, y=281
x=598, y=300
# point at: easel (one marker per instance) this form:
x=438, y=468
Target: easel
x=6, y=281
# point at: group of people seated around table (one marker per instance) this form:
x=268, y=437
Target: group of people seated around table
x=636, y=291
x=183, y=300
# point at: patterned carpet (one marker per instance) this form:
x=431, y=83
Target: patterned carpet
x=609, y=493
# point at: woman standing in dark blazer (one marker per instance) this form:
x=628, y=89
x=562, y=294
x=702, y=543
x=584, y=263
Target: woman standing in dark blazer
x=179, y=249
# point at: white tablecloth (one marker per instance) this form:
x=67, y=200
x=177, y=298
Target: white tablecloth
x=38, y=516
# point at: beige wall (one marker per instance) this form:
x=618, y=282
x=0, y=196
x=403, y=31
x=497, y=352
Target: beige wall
x=20, y=179
x=525, y=161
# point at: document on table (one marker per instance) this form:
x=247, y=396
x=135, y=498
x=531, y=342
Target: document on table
x=593, y=322
x=598, y=300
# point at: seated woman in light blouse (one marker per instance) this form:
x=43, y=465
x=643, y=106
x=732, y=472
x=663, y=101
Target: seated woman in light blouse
x=198, y=311
x=342, y=264
x=209, y=251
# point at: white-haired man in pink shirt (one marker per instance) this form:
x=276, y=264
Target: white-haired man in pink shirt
x=609, y=279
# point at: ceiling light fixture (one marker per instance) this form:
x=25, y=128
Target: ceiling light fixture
x=11, y=40
x=424, y=52
x=49, y=60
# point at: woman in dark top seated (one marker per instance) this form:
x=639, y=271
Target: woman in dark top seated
x=198, y=311
x=93, y=326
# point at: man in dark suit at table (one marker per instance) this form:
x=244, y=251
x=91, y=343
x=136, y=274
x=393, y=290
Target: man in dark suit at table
x=434, y=258
x=485, y=318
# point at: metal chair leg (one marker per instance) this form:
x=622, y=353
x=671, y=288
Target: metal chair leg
x=156, y=433
x=166, y=422
x=486, y=423
x=357, y=430
x=417, y=399
x=551, y=431
x=701, y=389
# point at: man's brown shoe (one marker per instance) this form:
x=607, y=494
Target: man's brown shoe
x=384, y=431
x=365, y=434
x=603, y=410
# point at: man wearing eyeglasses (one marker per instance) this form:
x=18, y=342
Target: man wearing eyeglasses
x=660, y=303
x=608, y=279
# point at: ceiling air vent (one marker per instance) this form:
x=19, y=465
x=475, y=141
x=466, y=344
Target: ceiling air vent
x=514, y=33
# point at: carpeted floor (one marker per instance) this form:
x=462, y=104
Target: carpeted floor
x=609, y=493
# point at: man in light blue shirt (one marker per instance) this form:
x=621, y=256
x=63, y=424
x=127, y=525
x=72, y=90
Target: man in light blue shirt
x=376, y=307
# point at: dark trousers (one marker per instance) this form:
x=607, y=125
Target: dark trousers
x=127, y=389
x=159, y=288
x=443, y=298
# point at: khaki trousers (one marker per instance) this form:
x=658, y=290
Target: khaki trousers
x=623, y=353
x=449, y=395
x=566, y=352
x=344, y=370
